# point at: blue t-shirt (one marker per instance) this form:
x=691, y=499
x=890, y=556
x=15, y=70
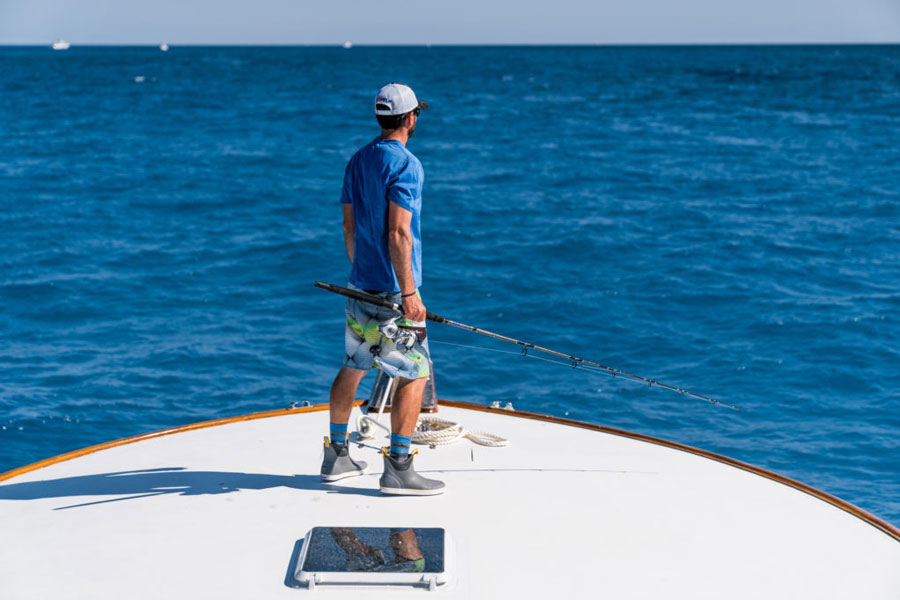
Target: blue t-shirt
x=382, y=171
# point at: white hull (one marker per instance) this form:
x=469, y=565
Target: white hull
x=564, y=511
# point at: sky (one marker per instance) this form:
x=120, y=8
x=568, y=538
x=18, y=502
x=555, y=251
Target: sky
x=449, y=22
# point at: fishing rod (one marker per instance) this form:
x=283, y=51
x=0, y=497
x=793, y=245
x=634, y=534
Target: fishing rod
x=378, y=301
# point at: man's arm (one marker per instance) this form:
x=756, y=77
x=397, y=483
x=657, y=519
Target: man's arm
x=348, y=229
x=400, y=246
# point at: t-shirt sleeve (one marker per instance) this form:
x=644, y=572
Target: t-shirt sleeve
x=405, y=190
x=345, y=191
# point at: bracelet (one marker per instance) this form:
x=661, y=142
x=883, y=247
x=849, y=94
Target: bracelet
x=412, y=293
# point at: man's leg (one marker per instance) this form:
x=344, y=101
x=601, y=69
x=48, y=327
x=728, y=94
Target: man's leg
x=399, y=476
x=404, y=413
x=406, y=405
x=336, y=463
x=343, y=393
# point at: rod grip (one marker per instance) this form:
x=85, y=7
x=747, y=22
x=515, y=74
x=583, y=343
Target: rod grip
x=358, y=295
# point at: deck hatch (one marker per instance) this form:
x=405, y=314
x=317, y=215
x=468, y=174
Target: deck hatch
x=412, y=556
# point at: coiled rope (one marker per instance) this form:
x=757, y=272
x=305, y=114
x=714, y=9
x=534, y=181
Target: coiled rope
x=434, y=431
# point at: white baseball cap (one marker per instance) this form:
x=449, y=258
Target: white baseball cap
x=397, y=99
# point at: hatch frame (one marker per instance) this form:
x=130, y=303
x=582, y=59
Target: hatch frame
x=431, y=580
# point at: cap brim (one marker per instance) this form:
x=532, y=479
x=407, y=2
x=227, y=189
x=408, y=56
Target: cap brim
x=423, y=105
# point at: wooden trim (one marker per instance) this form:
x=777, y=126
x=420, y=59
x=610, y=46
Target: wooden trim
x=426, y=410
x=884, y=526
x=147, y=436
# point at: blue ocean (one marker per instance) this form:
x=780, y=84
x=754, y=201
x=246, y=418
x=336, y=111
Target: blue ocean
x=721, y=219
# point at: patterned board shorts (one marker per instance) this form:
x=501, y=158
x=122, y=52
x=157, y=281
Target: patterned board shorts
x=366, y=345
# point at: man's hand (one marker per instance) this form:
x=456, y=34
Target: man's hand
x=413, y=309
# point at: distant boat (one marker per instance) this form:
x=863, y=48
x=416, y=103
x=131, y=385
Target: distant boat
x=60, y=45
x=348, y=44
x=164, y=47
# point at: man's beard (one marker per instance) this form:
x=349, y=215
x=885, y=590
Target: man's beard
x=412, y=130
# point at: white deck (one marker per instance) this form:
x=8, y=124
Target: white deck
x=217, y=512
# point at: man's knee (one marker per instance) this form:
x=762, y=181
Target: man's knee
x=403, y=382
x=350, y=374
x=346, y=381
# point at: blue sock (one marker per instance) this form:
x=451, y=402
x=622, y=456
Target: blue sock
x=400, y=446
x=338, y=433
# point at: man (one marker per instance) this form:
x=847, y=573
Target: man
x=382, y=202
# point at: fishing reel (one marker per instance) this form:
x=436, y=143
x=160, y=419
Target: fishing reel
x=404, y=338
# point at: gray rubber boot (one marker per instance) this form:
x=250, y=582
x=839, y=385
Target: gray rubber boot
x=337, y=463
x=400, y=478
